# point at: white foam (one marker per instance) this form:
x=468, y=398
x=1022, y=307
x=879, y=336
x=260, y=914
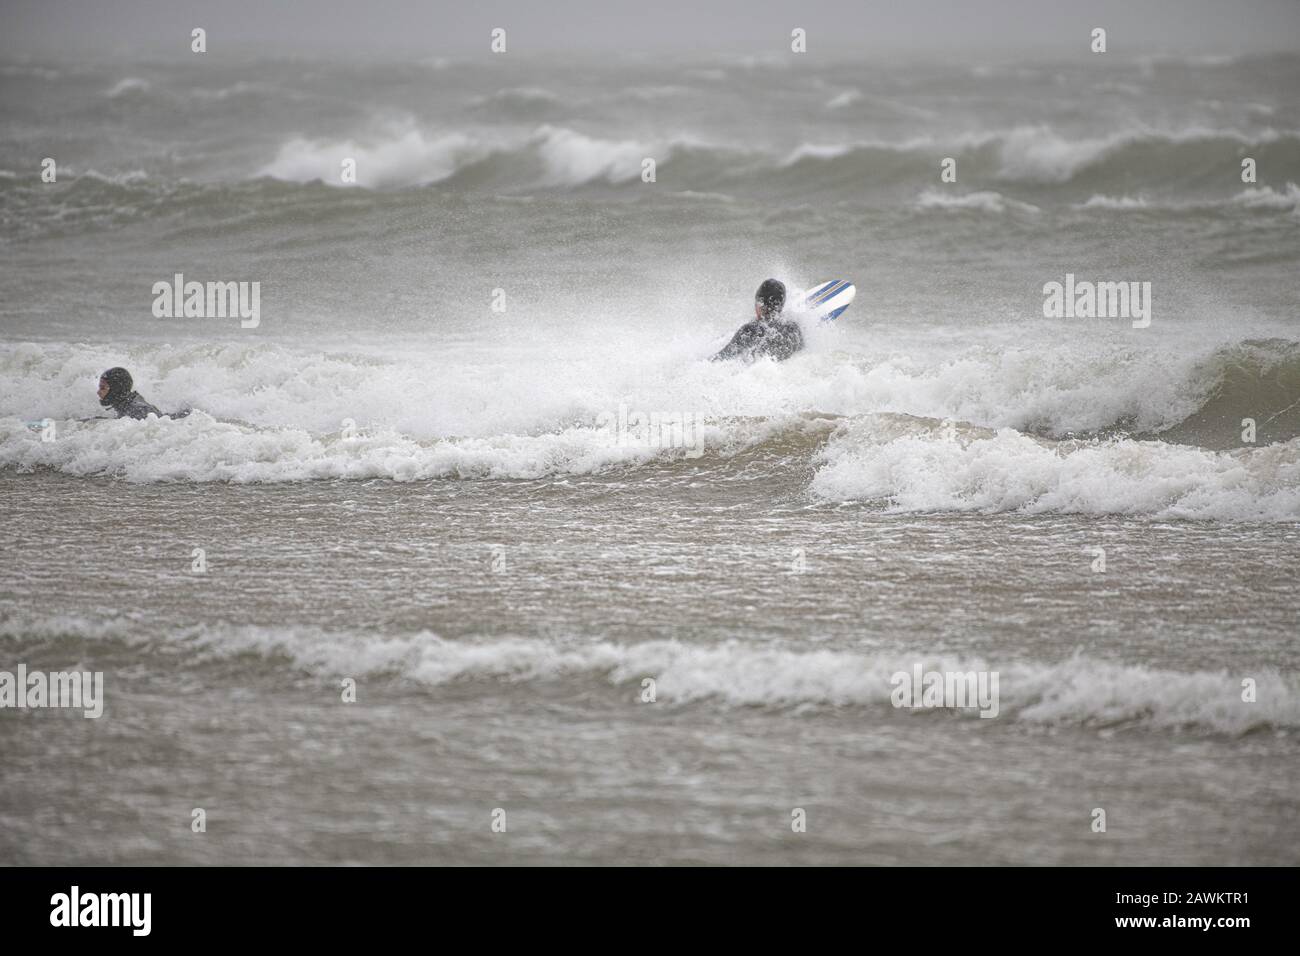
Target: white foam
x=843, y=99
x=1076, y=691
x=126, y=87
x=816, y=151
x=241, y=88
x=1286, y=199
x=199, y=448
x=400, y=158
x=982, y=201
x=1040, y=154
x=1113, y=202
x=399, y=151
x=515, y=408
x=1265, y=197
x=403, y=154
x=1077, y=384
x=573, y=159
x=892, y=461
x=130, y=177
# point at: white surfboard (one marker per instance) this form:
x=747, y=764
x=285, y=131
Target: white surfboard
x=825, y=301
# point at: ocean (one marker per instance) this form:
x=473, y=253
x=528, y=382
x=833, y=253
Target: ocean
x=467, y=554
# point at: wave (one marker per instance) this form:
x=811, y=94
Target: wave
x=1266, y=198
x=922, y=465
x=898, y=462
x=1078, y=691
x=200, y=448
x=1077, y=389
x=241, y=88
x=89, y=200
x=1184, y=162
x=1108, y=203
x=1016, y=171
x=985, y=201
x=1085, y=386
x=1049, y=427
x=1040, y=156
x=128, y=86
x=573, y=159
x=843, y=99
x=409, y=158
x=551, y=157
x=1256, y=381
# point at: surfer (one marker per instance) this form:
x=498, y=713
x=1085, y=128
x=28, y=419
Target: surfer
x=768, y=335
x=117, y=391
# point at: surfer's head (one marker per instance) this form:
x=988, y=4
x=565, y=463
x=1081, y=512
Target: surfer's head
x=769, y=300
x=114, y=386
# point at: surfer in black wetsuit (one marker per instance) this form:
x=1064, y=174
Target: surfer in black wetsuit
x=117, y=391
x=768, y=335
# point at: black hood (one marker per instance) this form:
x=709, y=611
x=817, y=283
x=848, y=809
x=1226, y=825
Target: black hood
x=770, y=298
x=119, y=387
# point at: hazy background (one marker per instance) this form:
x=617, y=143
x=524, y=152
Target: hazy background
x=747, y=27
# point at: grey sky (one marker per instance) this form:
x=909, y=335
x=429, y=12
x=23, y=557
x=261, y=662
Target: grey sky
x=689, y=28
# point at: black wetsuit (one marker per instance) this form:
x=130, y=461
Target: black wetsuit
x=133, y=406
x=772, y=338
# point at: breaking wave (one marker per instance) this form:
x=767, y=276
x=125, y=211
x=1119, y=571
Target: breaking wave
x=1076, y=691
x=1017, y=168
x=1113, y=432
x=924, y=465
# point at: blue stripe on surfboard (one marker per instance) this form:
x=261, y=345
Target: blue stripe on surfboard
x=838, y=286
x=813, y=293
x=834, y=315
x=821, y=293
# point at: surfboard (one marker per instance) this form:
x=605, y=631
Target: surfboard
x=825, y=301
x=40, y=423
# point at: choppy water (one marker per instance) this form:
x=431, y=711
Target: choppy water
x=394, y=483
